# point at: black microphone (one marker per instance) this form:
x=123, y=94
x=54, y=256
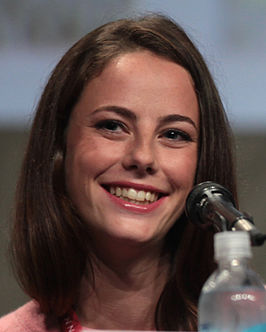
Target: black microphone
x=210, y=204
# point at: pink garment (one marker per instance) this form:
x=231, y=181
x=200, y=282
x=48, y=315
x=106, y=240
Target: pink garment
x=28, y=318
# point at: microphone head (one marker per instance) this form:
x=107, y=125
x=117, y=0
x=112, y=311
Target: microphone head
x=197, y=198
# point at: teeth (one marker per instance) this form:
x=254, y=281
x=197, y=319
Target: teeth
x=118, y=191
x=134, y=196
x=130, y=193
x=125, y=193
x=148, y=196
x=141, y=196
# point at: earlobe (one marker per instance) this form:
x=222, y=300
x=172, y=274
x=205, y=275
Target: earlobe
x=58, y=170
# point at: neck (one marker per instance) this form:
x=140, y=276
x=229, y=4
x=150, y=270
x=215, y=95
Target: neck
x=126, y=291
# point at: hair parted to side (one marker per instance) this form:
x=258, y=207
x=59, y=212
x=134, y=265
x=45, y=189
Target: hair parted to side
x=49, y=240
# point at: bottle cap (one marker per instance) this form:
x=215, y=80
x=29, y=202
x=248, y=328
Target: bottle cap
x=232, y=244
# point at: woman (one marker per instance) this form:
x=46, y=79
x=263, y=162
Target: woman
x=129, y=121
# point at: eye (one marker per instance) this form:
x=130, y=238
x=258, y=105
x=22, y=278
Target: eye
x=111, y=125
x=176, y=135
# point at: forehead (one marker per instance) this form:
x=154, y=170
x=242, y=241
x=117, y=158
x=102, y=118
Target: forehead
x=144, y=65
x=142, y=80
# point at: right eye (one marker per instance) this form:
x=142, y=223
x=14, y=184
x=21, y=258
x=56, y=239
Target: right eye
x=111, y=125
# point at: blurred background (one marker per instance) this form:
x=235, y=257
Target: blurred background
x=34, y=34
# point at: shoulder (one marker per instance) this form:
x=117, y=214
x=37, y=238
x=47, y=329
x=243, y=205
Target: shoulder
x=27, y=318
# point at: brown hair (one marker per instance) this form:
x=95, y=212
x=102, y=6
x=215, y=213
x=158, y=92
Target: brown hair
x=49, y=240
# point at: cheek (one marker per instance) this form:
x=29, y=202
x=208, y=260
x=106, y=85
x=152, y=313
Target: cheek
x=181, y=168
x=89, y=160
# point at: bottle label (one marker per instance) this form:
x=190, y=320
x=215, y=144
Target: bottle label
x=208, y=328
x=256, y=328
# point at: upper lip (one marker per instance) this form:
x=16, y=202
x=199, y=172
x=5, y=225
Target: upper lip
x=137, y=186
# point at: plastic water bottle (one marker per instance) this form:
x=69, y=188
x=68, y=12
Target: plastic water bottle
x=233, y=299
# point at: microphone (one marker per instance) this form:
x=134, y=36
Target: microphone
x=210, y=204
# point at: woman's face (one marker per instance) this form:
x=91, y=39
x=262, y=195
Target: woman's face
x=132, y=148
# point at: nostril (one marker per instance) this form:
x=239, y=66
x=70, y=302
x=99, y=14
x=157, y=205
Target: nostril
x=133, y=167
x=149, y=170
x=139, y=168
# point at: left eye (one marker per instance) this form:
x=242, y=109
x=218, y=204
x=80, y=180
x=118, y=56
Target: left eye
x=174, y=134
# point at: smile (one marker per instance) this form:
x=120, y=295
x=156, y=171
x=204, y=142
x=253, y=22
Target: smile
x=133, y=195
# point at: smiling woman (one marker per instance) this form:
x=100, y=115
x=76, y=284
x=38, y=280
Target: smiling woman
x=129, y=121
x=149, y=145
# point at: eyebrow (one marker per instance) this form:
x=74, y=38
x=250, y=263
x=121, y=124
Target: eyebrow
x=176, y=117
x=118, y=110
x=125, y=112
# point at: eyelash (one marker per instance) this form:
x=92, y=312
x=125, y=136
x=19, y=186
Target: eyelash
x=109, y=124
x=183, y=135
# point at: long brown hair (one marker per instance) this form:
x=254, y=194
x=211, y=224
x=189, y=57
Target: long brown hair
x=49, y=240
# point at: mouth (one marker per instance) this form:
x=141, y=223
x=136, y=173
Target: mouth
x=134, y=196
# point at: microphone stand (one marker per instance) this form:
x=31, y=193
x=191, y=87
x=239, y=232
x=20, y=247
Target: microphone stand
x=242, y=223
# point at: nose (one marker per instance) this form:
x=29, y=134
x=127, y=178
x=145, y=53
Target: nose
x=140, y=157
